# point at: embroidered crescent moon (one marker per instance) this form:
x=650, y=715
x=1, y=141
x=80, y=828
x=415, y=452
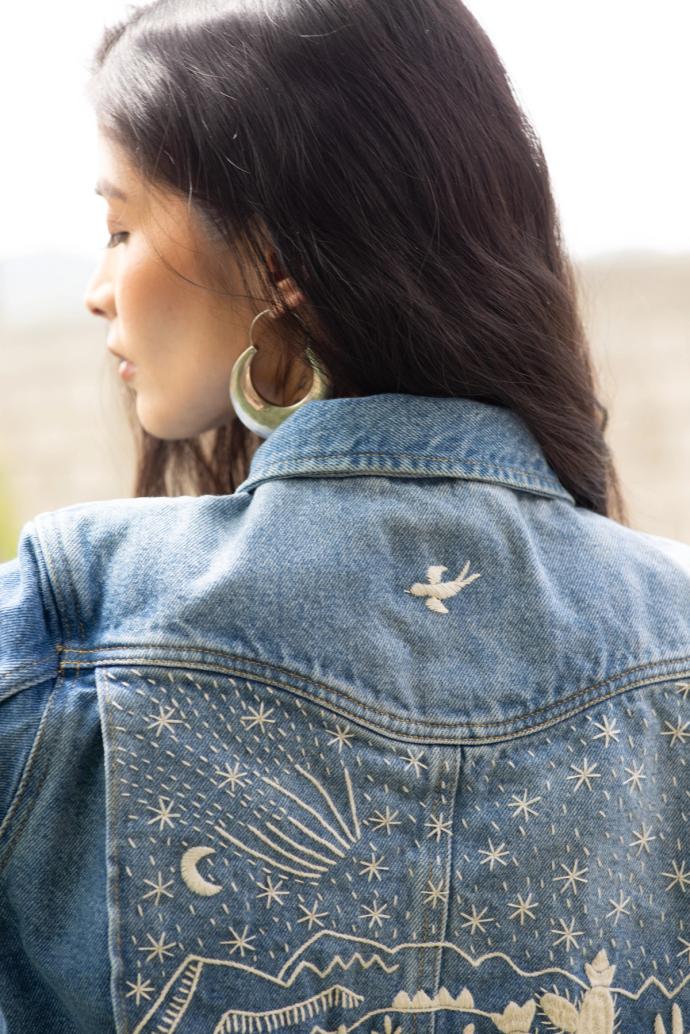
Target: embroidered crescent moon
x=192, y=876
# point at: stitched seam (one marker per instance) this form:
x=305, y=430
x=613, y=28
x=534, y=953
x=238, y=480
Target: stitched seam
x=114, y=879
x=372, y=707
x=443, y=928
x=396, y=734
x=535, y=482
x=52, y=577
x=278, y=463
x=19, y=797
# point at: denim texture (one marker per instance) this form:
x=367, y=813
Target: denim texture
x=394, y=739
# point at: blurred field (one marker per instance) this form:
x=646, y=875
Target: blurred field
x=63, y=438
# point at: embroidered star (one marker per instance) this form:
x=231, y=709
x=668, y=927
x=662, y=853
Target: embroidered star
x=240, y=941
x=567, y=934
x=231, y=777
x=677, y=731
x=683, y=688
x=618, y=907
x=435, y=893
x=384, y=820
x=685, y=950
x=341, y=736
x=141, y=989
x=373, y=866
x=523, y=908
x=680, y=876
x=609, y=730
x=573, y=874
x=493, y=855
x=584, y=774
x=311, y=915
x=272, y=893
x=438, y=826
x=259, y=717
x=523, y=805
x=414, y=761
x=159, y=948
x=635, y=777
x=159, y=888
x=375, y=914
x=476, y=921
x=163, y=813
x=164, y=720
x=644, y=839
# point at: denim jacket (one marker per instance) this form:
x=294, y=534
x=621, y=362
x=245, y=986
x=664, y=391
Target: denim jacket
x=394, y=739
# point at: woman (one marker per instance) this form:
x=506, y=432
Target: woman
x=382, y=727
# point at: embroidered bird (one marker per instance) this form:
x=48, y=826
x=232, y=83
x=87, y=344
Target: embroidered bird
x=435, y=590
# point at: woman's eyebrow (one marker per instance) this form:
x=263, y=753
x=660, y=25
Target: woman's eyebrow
x=104, y=188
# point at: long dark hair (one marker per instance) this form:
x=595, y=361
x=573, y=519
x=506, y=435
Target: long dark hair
x=382, y=147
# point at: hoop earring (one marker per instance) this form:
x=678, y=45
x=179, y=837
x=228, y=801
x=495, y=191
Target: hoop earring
x=255, y=412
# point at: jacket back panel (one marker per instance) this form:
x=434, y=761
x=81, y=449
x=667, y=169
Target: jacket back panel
x=392, y=739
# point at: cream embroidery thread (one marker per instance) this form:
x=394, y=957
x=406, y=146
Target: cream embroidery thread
x=435, y=590
x=331, y=806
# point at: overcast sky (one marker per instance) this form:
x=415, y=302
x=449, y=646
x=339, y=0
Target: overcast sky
x=606, y=84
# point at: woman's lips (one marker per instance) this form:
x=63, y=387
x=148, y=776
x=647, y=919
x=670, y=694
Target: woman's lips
x=126, y=369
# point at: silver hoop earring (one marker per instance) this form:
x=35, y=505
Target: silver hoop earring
x=255, y=412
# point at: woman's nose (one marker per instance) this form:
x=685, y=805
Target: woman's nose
x=98, y=299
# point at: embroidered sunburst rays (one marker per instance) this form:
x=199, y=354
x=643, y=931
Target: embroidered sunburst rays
x=301, y=857
x=436, y=590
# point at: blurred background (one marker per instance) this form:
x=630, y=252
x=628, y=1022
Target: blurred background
x=606, y=86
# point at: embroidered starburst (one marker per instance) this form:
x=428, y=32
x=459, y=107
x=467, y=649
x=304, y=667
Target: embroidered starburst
x=567, y=934
x=231, y=777
x=373, y=866
x=680, y=876
x=438, y=826
x=414, y=761
x=240, y=941
x=494, y=854
x=584, y=774
x=643, y=841
x=272, y=893
x=618, y=907
x=158, y=949
x=342, y=736
x=523, y=908
x=257, y=717
x=609, y=730
x=677, y=732
x=523, y=806
x=163, y=813
x=375, y=913
x=384, y=820
x=140, y=989
x=685, y=950
x=159, y=888
x=312, y=915
x=164, y=720
x=683, y=688
x=435, y=893
x=475, y=920
x=635, y=777
x=573, y=874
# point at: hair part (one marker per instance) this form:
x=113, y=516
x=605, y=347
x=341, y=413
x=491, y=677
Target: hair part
x=383, y=150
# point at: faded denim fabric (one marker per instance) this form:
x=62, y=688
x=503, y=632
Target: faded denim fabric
x=393, y=739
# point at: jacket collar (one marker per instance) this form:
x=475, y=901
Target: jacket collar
x=402, y=435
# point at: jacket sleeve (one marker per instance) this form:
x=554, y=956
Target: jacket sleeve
x=29, y=635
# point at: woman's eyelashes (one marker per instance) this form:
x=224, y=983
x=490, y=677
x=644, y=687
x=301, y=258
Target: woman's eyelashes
x=113, y=241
